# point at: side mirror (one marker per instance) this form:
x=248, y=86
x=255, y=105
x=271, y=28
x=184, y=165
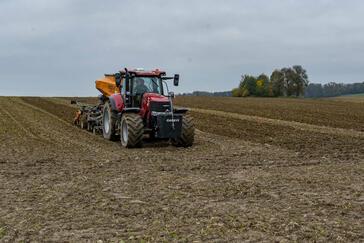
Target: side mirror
x=176, y=79
x=171, y=94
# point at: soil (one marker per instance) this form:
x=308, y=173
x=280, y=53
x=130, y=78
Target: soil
x=324, y=112
x=243, y=180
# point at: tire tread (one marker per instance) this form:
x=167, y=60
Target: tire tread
x=188, y=133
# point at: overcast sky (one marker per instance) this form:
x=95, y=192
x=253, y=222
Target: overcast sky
x=59, y=47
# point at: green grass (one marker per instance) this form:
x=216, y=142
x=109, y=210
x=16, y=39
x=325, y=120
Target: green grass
x=355, y=98
x=2, y=232
x=353, y=95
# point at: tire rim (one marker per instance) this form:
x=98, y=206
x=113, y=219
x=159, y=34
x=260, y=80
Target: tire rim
x=124, y=132
x=106, y=122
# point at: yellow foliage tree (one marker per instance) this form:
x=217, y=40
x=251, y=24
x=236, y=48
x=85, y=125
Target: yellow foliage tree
x=260, y=88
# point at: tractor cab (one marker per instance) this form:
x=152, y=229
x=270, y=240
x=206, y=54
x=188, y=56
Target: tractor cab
x=136, y=88
x=138, y=85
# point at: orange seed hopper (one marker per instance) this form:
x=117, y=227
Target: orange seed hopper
x=107, y=85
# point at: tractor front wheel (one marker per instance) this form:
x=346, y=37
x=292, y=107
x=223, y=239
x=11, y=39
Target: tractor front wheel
x=187, y=134
x=131, y=130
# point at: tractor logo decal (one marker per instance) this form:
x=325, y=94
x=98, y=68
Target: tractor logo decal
x=172, y=120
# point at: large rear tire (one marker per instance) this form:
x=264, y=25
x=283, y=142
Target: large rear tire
x=131, y=130
x=187, y=134
x=109, y=118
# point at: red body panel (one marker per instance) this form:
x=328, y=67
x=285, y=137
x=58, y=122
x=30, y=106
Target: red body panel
x=144, y=109
x=118, y=102
x=147, y=98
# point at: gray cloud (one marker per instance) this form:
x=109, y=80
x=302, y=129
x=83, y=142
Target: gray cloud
x=61, y=47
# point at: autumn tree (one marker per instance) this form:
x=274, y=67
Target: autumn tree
x=299, y=80
x=262, y=85
x=248, y=85
x=288, y=81
x=277, y=83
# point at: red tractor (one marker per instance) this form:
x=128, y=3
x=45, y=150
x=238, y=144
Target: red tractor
x=134, y=103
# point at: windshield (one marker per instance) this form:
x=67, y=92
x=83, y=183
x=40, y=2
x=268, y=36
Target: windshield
x=143, y=85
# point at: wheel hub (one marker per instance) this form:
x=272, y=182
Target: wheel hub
x=124, y=132
x=106, y=122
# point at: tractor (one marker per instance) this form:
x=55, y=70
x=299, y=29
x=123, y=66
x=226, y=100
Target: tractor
x=134, y=104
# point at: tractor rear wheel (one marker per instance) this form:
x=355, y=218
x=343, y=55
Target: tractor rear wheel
x=187, y=134
x=131, y=130
x=109, y=118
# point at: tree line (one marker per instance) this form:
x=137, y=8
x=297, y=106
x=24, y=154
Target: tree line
x=288, y=81
x=285, y=82
x=333, y=89
x=206, y=93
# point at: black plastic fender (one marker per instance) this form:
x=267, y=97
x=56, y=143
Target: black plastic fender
x=180, y=110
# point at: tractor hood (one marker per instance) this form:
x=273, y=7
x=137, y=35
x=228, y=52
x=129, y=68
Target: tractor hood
x=152, y=97
x=154, y=102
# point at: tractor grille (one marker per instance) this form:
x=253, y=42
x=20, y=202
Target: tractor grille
x=159, y=106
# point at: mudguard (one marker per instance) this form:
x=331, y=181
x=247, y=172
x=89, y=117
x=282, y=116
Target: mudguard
x=116, y=102
x=180, y=110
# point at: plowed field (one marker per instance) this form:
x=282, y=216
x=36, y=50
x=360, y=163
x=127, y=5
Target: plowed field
x=260, y=170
